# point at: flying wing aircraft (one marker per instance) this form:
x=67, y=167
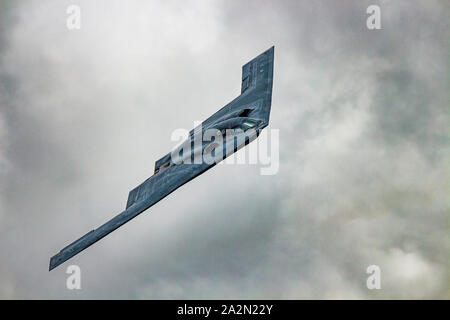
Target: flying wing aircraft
x=247, y=115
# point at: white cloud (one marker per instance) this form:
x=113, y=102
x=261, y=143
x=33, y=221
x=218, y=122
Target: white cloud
x=363, y=174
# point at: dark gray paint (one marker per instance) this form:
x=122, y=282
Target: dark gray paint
x=254, y=102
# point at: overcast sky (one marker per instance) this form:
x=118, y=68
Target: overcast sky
x=363, y=117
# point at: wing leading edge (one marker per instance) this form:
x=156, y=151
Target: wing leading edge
x=254, y=103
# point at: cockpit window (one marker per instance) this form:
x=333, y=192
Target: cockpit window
x=247, y=124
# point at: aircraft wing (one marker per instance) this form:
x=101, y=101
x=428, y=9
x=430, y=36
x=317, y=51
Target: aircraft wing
x=249, y=110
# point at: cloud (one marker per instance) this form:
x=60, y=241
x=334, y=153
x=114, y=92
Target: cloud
x=363, y=121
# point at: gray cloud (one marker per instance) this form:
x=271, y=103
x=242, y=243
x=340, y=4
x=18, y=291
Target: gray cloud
x=363, y=119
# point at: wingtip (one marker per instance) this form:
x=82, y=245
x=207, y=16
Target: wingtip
x=270, y=51
x=51, y=266
x=54, y=263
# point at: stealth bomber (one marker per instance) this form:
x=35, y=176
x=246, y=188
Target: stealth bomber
x=246, y=115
